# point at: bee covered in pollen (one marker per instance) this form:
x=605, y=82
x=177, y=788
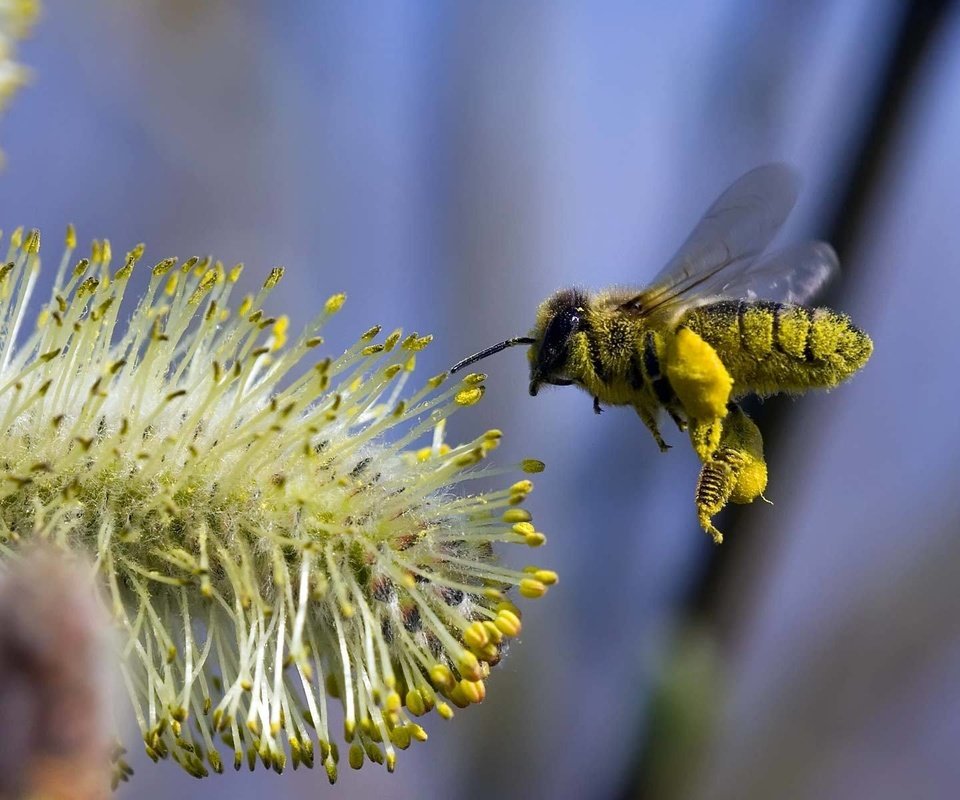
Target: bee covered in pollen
x=720, y=322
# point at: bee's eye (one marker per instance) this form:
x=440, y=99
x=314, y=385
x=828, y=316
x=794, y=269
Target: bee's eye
x=556, y=339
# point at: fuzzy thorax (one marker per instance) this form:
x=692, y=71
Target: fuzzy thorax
x=266, y=530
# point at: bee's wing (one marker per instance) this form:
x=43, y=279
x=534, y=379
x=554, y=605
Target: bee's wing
x=733, y=232
x=791, y=275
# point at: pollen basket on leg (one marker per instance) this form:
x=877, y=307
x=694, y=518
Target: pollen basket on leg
x=271, y=531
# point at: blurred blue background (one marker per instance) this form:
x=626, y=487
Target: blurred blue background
x=450, y=164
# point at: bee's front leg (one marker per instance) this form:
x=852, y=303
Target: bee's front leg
x=650, y=421
x=596, y=405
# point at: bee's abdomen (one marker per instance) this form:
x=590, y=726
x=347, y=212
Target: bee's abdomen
x=779, y=347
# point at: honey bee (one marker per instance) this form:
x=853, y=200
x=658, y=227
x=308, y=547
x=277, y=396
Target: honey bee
x=720, y=322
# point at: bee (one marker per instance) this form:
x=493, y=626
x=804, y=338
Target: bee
x=720, y=322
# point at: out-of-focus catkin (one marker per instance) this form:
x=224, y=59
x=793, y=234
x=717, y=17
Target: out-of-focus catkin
x=53, y=680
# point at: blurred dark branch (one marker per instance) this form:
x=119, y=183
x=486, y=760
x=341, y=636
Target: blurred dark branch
x=709, y=602
x=865, y=170
x=876, y=655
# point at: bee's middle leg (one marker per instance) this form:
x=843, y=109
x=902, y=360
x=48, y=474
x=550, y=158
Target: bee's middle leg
x=650, y=421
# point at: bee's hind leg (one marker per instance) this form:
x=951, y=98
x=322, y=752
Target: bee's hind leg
x=734, y=472
x=596, y=405
x=680, y=422
x=651, y=422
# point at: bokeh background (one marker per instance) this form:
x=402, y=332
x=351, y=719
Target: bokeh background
x=450, y=164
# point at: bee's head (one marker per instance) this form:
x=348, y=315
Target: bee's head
x=558, y=319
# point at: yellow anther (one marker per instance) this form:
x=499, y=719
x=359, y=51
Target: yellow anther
x=458, y=696
x=373, y=753
x=513, y=515
x=391, y=341
x=334, y=303
x=467, y=397
x=234, y=274
x=490, y=444
x=468, y=666
x=88, y=287
x=71, y=238
x=532, y=466
x=535, y=539
x=441, y=676
x=400, y=737
x=273, y=278
x=475, y=636
x=493, y=632
x=393, y=702
x=163, y=267
x=531, y=588
x=280, y=332
x=129, y=263
x=414, y=703
x=488, y=653
x=32, y=244
x=417, y=732
x=474, y=691
x=444, y=711
x=355, y=756
x=508, y=624
x=474, y=456
x=546, y=576
x=522, y=487
x=474, y=378
x=523, y=528
x=415, y=345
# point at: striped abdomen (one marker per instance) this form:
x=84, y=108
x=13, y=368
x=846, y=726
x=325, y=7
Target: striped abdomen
x=778, y=347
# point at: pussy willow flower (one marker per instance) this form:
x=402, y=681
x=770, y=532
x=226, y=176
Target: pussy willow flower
x=267, y=527
x=16, y=19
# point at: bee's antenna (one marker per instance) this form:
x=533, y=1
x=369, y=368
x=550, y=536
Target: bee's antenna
x=491, y=350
